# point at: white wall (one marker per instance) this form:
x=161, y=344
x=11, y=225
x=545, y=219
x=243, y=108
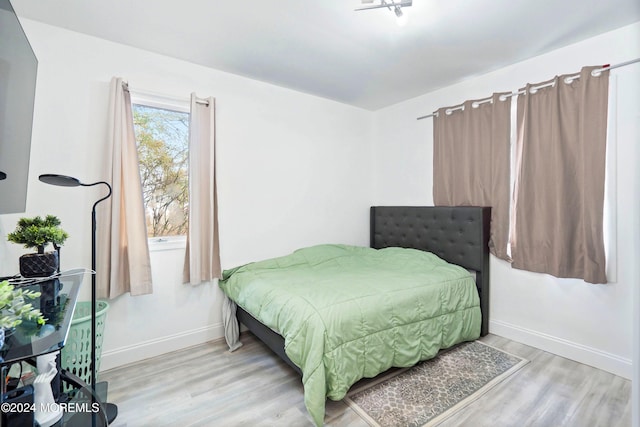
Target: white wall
x=296, y=170
x=588, y=323
x=292, y=171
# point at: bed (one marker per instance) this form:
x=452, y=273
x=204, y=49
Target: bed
x=339, y=313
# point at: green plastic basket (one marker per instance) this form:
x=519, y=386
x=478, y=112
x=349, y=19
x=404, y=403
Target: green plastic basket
x=76, y=353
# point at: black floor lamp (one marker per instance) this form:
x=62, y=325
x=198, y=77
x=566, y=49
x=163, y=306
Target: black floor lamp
x=67, y=181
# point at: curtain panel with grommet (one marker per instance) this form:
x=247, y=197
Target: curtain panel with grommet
x=558, y=204
x=123, y=262
x=471, y=158
x=202, y=259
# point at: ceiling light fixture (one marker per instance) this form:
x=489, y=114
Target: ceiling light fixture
x=394, y=5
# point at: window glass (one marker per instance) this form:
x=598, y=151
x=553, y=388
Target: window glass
x=162, y=137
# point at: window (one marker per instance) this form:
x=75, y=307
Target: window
x=162, y=137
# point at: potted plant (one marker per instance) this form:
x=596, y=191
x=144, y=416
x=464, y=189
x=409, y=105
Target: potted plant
x=14, y=308
x=37, y=233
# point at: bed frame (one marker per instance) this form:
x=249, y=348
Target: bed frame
x=459, y=235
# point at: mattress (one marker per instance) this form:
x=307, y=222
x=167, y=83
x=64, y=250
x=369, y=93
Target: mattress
x=349, y=312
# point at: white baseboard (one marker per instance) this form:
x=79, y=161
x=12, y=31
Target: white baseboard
x=580, y=353
x=155, y=347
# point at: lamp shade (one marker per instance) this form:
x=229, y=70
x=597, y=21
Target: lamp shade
x=59, y=180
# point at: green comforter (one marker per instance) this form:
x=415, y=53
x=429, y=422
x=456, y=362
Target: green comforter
x=349, y=312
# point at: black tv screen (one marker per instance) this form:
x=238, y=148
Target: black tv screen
x=18, y=67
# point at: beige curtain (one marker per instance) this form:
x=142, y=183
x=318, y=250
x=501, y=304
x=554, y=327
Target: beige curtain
x=202, y=261
x=559, y=189
x=471, y=161
x=123, y=263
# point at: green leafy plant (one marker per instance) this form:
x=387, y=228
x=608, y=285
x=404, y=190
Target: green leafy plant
x=38, y=233
x=14, y=308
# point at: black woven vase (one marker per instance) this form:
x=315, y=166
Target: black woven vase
x=39, y=265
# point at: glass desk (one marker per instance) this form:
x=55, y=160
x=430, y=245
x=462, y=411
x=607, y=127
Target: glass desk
x=28, y=340
x=57, y=303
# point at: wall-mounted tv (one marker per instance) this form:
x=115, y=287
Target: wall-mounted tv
x=18, y=67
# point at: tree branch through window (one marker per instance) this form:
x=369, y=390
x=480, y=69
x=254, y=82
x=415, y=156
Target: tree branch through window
x=162, y=137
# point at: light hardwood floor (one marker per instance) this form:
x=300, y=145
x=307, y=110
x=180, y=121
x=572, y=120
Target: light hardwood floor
x=209, y=386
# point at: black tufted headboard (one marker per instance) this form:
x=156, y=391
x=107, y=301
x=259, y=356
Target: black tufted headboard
x=459, y=235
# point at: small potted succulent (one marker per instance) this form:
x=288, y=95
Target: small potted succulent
x=37, y=233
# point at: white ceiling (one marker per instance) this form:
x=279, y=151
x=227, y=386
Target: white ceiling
x=327, y=49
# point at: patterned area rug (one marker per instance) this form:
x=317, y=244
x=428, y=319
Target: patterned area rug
x=433, y=390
